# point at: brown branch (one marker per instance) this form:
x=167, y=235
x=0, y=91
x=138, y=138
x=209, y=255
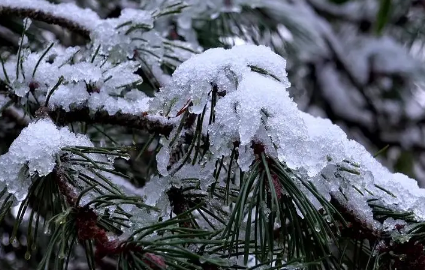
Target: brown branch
x=62, y=117
x=356, y=227
x=338, y=11
x=141, y=122
x=401, y=255
x=65, y=188
x=86, y=223
x=46, y=17
x=19, y=118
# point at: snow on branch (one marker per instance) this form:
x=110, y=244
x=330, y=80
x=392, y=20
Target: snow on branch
x=153, y=124
x=34, y=153
x=59, y=83
x=238, y=97
x=103, y=77
x=69, y=16
x=222, y=108
x=119, y=37
x=251, y=107
x=254, y=108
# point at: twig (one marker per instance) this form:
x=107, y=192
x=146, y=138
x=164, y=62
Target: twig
x=46, y=16
x=65, y=189
x=86, y=223
x=20, y=118
x=141, y=122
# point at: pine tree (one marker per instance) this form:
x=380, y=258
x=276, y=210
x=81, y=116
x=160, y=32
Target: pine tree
x=143, y=139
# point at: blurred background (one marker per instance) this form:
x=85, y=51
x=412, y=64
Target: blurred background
x=356, y=62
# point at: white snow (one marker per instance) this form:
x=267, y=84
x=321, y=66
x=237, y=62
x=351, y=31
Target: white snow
x=118, y=39
x=194, y=78
x=107, y=80
x=34, y=152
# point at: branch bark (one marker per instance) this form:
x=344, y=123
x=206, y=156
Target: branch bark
x=46, y=17
x=141, y=122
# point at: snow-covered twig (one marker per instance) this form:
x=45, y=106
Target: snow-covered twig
x=48, y=13
x=152, y=124
x=19, y=117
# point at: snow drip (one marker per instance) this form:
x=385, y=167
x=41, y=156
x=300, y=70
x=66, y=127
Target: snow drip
x=34, y=152
x=254, y=106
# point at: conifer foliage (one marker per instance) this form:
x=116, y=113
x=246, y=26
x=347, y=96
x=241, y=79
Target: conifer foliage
x=141, y=149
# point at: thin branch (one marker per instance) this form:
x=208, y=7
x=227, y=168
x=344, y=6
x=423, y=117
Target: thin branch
x=87, y=226
x=45, y=16
x=141, y=122
x=18, y=115
x=9, y=36
x=65, y=189
x=345, y=12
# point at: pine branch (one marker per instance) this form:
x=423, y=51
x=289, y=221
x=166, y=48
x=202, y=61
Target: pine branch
x=387, y=249
x=252, y=156
x=341, y=11
x=45, y=16
x=62, y=117
x=66, y=190
x=143, y=122
x=88, y=229
x=18, y=116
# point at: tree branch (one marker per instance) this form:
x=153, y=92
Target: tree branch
x=141, y=122
x=19, y=117
x=45, y=16
x=86, y=223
